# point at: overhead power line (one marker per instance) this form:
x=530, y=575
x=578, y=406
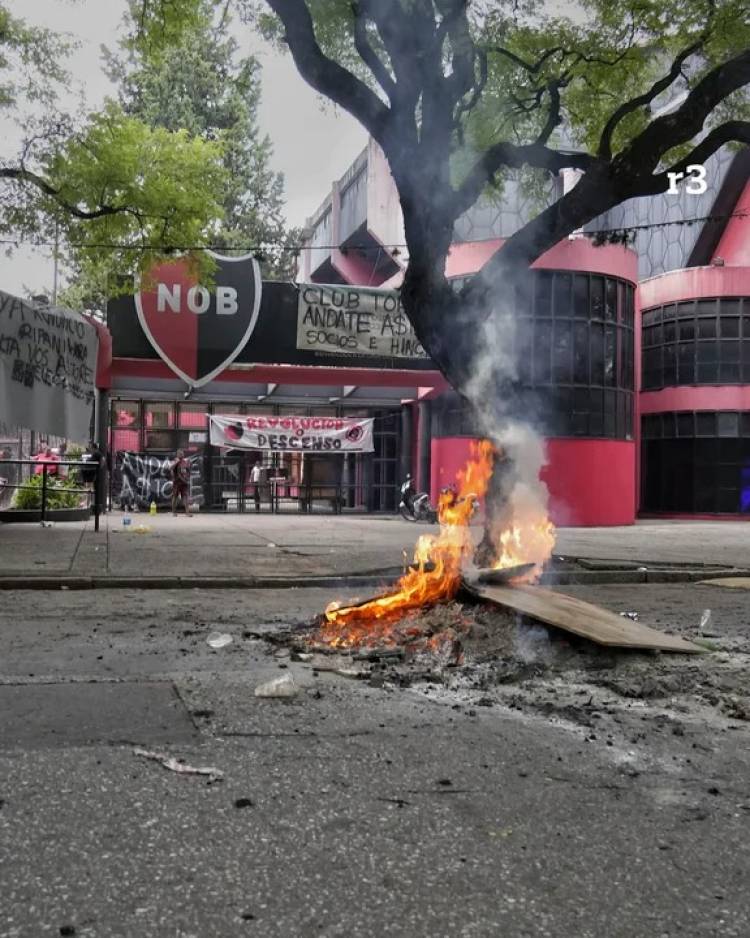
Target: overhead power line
x=362, y=249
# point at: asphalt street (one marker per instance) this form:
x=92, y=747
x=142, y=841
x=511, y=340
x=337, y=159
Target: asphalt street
x=358, y=810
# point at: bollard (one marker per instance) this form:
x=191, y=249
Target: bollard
x=97, y=488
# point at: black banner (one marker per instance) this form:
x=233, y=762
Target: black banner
x=138, y=479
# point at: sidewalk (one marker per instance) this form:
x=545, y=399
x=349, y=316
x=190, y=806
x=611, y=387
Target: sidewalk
x=298, y=546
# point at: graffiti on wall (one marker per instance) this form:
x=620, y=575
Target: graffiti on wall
x=139, y=478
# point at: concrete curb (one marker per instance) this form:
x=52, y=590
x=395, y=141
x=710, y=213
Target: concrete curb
x=178, y=582
x=345, y=581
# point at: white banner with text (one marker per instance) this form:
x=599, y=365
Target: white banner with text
x=355, y=321
x=47, y=368
x=293, y=434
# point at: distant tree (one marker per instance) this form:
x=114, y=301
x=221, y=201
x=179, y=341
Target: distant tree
x=90, y=181
x=199, y=84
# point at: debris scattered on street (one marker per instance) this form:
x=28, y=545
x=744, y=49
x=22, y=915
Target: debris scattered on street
x=705, y=620
x=177, y=765
x=630, y=615
x=219, y=639
x=278, y=687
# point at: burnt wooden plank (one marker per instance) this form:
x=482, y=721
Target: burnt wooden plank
x=581, y=618
x=504, y=574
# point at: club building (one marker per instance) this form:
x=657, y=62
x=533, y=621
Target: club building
x=635, y=362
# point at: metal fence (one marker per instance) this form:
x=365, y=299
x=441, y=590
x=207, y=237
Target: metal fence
x=16, y=475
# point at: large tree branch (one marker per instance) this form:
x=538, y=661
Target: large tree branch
x=641, y=100
x=534, y=155
x=466, y=105
x=18, y=174
x=730, y=132
x=368, y=54
x=455, y=26
x=533, y=68
x=323, y=74
x=639, y=159
x=555, y=104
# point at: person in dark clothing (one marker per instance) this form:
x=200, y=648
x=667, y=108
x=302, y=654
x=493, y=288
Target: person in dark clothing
x=92, y=458
x=180, y=482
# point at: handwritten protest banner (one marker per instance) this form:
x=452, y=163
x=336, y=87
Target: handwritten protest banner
x=355, y=321
x=139, y=479
x=47, y=367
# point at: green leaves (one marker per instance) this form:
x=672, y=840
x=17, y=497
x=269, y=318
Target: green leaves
x=141, y=191
x=197, y=82
x=30, y=61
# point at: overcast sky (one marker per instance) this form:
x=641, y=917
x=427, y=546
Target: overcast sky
x=313, y=146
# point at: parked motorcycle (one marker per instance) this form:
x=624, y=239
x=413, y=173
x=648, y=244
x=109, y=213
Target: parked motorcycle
x=416, y=506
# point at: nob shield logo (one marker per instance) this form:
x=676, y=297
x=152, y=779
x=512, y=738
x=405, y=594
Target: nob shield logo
x=198, y=331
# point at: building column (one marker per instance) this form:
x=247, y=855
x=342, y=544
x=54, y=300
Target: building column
x=424, y=444
x=407, y=429
x=101, y=436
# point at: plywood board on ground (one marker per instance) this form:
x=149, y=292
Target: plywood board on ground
x=582, y=618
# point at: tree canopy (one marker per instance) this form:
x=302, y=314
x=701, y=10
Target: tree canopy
x=177, y=161
x=94, y=180
x=198, y=83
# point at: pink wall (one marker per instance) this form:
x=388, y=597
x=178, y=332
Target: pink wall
x=713, y=397
x=693, y=283
x=447, y=456
x=734, y=246
x=576, y=254
x=591, y=482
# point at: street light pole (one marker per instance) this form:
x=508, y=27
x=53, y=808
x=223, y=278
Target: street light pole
x=54, y=275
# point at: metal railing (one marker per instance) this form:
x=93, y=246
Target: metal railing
x=47, y=468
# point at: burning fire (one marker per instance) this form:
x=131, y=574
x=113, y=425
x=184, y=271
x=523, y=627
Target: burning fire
x=439, y=559
x=528, y=540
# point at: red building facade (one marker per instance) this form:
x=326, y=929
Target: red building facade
x=640, y=385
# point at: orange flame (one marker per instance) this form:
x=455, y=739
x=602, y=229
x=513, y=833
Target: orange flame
x=438, y=562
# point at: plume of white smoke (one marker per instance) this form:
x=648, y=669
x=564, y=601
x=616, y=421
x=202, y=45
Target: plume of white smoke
x=523, y=493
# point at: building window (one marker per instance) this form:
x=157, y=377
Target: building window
x=703, y=341
x=125, y=421
x=696, y=462
x=574, y=347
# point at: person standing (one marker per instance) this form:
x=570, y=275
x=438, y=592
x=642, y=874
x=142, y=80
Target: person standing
x=181, y=483
x=48, y=457
x=257, y=479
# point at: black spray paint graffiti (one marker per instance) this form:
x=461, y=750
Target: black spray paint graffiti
x=139, y=479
